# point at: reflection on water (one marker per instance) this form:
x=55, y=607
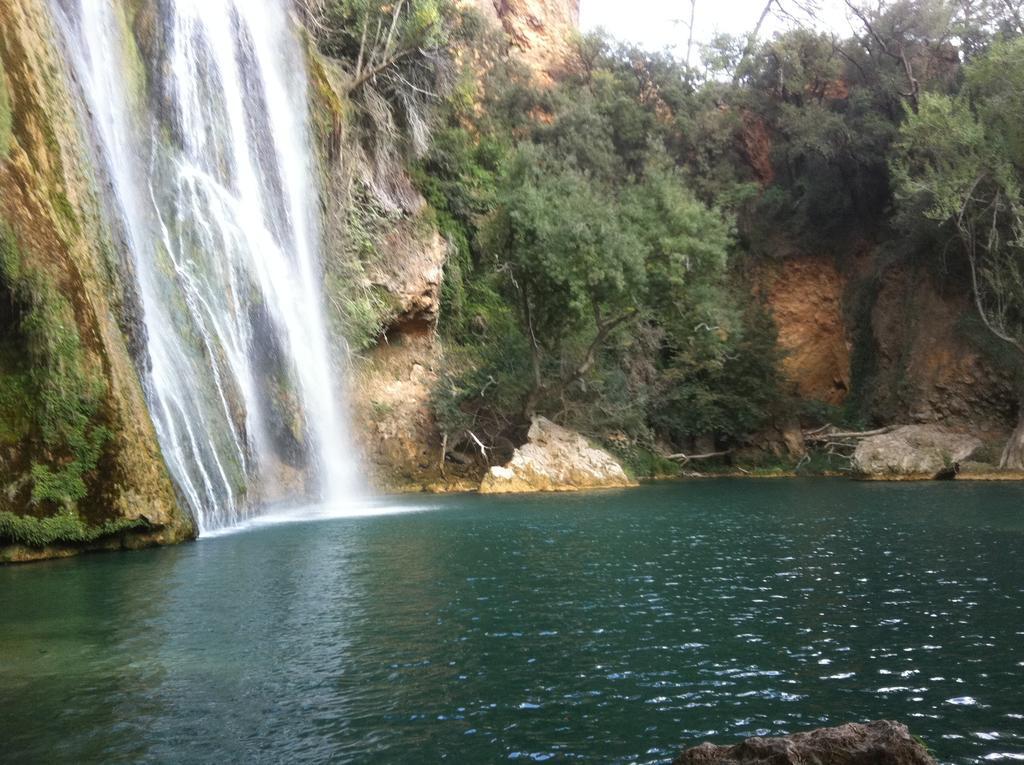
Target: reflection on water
x=604, y=627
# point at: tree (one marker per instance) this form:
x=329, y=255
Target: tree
x=383, y=40
x=397, y=63
x=572, y=264
x=961, y=160
x=908, y=43
x=794, y=11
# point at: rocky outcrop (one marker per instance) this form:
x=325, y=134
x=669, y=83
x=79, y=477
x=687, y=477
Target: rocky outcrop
x=914, y=451
x=541, y=30
x=879, y=743
x=397, y=434
x=410, y=267
x=555, y=459
x=756, y=146
x=79, y=460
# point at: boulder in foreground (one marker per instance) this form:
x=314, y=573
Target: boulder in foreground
x=914, y=451
x=555, y=459
x=882, y=742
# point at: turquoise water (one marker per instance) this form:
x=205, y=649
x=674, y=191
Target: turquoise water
x=609, y=627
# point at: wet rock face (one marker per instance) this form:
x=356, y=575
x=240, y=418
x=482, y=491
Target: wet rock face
x=914, y=451
x=882, y=742
x=555, y=459
x=390, y=398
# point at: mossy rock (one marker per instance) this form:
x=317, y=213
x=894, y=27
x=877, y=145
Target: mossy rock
x=64, y=528
x=80, y=464
x=62, y=390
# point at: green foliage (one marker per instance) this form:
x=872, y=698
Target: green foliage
x=720, y=382
x=15, y=391
x=589, y=281
x=942, y=152
x=416, y=24
x=642, y=462
x=562, y=239
x=66, y=527
x=959, y=163
x=602, y=228
x=484, y=383
x=458, y=178
x=15, y=408
x=67, y=394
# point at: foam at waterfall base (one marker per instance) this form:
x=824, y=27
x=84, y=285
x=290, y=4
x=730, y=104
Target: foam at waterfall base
x=363, y=507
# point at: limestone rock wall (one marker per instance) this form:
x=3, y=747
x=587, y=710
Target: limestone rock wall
x=930, y=364
x=396, y=270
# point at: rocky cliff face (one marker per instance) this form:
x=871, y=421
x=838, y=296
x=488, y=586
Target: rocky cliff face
x=394, y=271
x=79, y=460
x=886, y=336
x=539, y=29
x=805, y=296
x=930, y=366
x=889, y=336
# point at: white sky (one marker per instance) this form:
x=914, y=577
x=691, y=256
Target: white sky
x=657, y=24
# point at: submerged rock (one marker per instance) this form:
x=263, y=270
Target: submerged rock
x=882, y=742
x=914, y=451
x=555, y=459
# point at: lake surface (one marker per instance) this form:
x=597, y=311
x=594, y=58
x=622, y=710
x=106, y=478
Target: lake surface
x=605, y=627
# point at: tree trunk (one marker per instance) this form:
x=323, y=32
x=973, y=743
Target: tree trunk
x=751, y=41
x=689, y=39
x=1013, y=454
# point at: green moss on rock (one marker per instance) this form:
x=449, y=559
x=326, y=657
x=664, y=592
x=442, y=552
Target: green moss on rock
x=66, y=527
x=67, y=392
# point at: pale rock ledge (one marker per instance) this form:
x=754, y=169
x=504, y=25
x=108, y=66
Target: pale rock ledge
x=555, y=459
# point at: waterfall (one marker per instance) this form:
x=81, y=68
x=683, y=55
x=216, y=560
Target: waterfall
x=205, y=142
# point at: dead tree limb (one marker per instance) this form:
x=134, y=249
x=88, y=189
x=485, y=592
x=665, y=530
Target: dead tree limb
x=685, y=458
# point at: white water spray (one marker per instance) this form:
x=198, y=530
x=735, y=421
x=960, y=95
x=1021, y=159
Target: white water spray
x=211, y=171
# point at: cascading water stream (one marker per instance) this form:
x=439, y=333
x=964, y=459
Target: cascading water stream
x=207, y=151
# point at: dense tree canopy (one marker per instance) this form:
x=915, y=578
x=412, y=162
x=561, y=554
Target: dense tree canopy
x=960, y=160
x=603, y=227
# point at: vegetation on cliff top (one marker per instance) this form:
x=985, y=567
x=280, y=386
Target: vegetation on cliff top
x=960, y=163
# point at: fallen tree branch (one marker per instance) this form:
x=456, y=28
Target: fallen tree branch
x=684, y=458
x=479, y=443
x=832, y=434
